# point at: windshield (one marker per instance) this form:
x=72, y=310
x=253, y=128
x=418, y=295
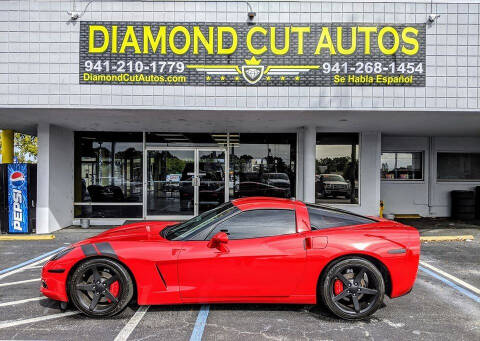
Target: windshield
x=191, y=227
x=333, y=178
x=277, y=176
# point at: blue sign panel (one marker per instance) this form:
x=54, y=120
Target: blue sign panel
x=17, y=198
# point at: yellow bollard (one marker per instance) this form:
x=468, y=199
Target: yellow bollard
x=7, y=146
x=381, y=209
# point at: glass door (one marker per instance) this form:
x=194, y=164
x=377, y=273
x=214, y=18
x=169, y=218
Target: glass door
x=169, y=188
x=183, y=182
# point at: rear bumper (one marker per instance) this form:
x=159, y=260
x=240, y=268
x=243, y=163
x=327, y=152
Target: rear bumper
x=404, y=270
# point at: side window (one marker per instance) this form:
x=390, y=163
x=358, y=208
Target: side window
x=258, y=223
x=323, y=218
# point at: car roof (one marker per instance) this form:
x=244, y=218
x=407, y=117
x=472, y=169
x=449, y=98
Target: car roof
x=263, y=202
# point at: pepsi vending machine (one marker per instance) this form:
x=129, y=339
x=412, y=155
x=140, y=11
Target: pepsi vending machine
x=18, y=196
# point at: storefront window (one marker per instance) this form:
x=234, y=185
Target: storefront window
x=402, y=166
x=336, y=168
x=108, y=172
x=458, y=166
x=262, y=165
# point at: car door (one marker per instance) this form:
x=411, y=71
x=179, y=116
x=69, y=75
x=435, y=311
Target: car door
x=264, y=257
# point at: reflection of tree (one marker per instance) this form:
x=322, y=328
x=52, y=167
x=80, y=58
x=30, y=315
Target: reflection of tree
x=175, y=165
x=334, y=165
x=351, y=171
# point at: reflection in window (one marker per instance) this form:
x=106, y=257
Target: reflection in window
x=458, y=166
x=108, y=169
x=402, y=166
x=336, y=168
x=262, y=165
x=257, y=224
x=321, y=218
x=169, y=182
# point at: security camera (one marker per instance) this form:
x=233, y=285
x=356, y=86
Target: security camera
x=74, y=15
x=433, y=17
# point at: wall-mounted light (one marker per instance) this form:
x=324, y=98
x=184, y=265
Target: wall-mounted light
x=250, y=14
x=74, y=14
x=432, y=18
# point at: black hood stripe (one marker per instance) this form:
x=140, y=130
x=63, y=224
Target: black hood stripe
x=89, y=250
x=106, y=249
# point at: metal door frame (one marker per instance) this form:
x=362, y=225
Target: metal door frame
x=196, y=186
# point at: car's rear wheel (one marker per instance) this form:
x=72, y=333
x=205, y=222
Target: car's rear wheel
x=100, y=287
x=352, y=288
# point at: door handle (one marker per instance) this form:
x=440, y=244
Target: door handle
x=307, y=243
x=195, y=181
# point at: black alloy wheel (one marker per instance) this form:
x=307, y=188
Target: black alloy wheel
x=352, y=288
x=100, y=287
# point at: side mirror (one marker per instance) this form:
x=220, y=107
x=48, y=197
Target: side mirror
x=218, y=241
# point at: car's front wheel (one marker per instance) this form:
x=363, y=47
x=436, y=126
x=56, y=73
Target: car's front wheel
x=352, y=288
x=100, y=287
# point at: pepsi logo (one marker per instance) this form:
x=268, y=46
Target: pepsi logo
x=17, y=178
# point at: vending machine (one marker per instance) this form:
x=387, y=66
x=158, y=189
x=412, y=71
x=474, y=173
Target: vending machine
x=18, y=197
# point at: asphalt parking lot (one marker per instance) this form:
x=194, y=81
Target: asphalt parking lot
x=437, y=308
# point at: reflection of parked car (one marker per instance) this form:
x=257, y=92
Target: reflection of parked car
x=251, y=188
x=211, y=190
x=276, y=179
x=331, y=185
x=109, y=194
x=211, y=193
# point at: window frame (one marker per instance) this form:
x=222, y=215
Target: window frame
x=209, y=235
x=453, y=180
x=422, y=152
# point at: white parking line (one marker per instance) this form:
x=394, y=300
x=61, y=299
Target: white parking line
x=26, y=267
x=30, y=262
x=8, y=324
x=6, y=304
x=452, y=278
x=130, y=326
x=19, y=282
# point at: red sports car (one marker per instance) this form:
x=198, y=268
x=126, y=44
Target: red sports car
x=252, y=250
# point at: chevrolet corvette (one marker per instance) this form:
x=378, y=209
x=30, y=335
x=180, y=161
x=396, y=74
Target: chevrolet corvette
x=249, y=250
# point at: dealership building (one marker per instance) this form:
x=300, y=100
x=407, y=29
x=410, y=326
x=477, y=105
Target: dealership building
x=164, y=109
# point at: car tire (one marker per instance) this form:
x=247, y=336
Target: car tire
x=84, y=286
x=368, y=290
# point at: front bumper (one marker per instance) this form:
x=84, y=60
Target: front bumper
x=53, y=284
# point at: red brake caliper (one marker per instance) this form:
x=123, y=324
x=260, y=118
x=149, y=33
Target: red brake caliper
x=114, y=289
x=337, y=287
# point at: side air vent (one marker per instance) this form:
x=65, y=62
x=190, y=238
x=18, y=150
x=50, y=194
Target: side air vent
x=161, y=276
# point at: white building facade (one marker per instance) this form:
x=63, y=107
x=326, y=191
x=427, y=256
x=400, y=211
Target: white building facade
x=233, y=112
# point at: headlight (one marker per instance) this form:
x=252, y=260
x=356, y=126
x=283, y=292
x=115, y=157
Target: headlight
x=62, y=253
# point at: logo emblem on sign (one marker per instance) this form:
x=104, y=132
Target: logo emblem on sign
x=17, y=178
x=253, y=72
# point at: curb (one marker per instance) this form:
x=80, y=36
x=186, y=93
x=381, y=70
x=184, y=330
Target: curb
x=28, y=237
x=446, y=238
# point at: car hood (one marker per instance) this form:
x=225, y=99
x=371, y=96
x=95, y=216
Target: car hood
x=335, y=182
x=131, y=232
x=278, y=181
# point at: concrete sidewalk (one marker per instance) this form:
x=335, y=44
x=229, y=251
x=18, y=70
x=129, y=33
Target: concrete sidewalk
x=443, y=227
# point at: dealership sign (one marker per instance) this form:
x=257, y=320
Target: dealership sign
x=225, y=54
